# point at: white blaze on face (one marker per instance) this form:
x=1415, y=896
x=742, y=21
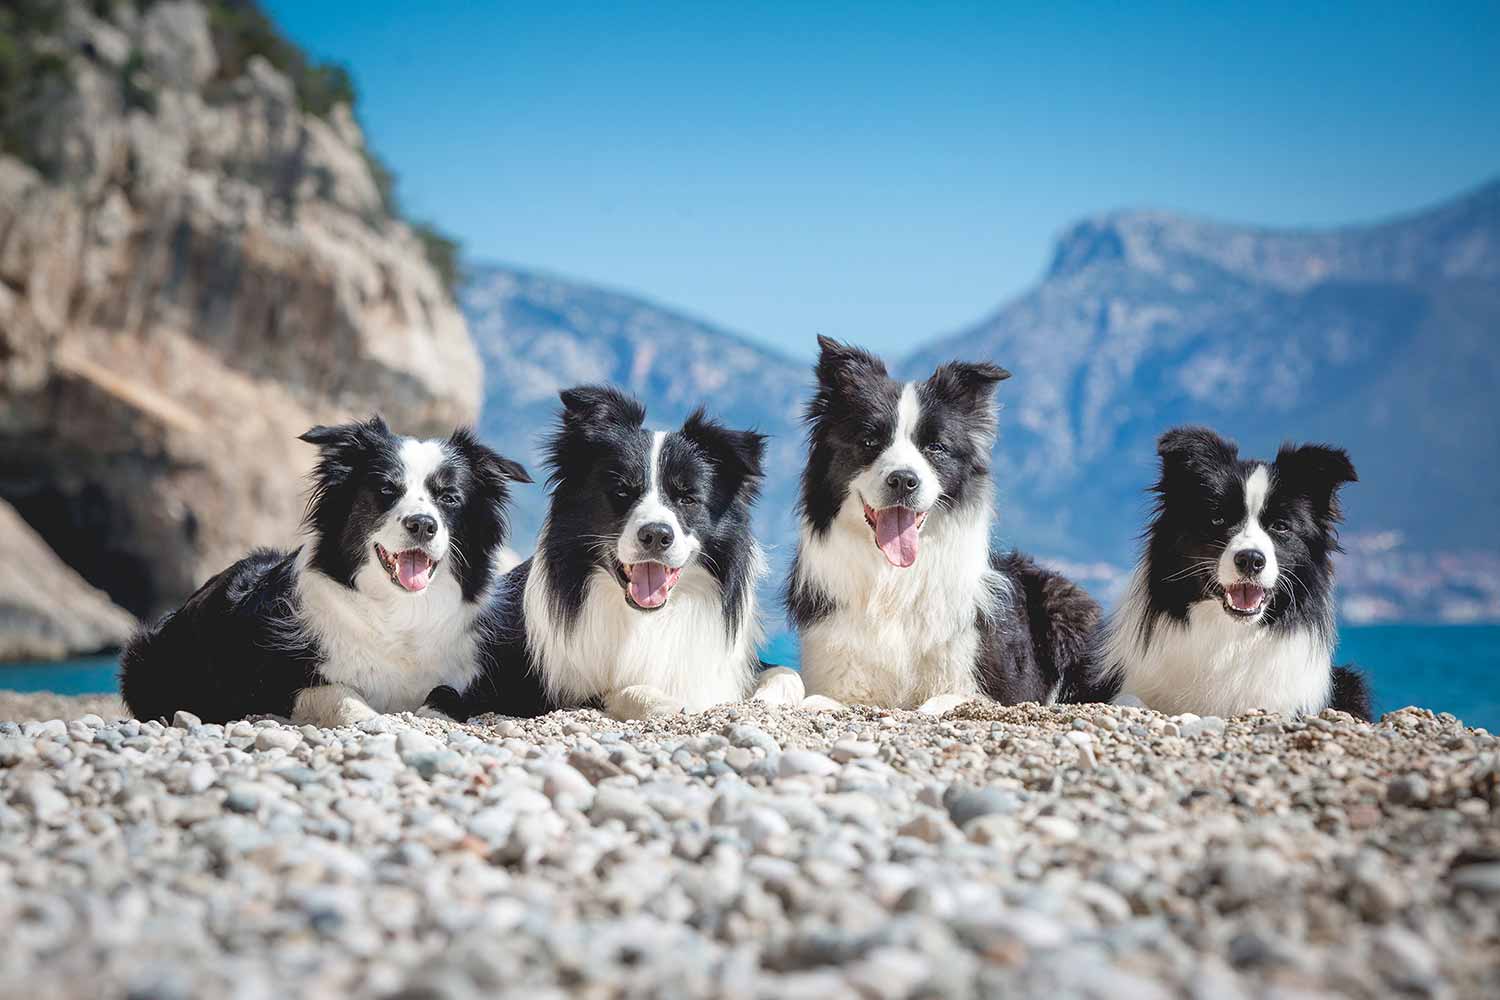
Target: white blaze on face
x=895, y=515
x=1250, y=536
x=654, y=572
x=413, y=560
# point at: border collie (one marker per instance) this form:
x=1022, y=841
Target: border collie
x=381, y=604
x=1231, y=606
x=641, y=594
x=899, y=600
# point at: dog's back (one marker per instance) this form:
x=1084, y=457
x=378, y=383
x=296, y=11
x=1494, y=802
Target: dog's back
x=229, y=652
x=1037, y=640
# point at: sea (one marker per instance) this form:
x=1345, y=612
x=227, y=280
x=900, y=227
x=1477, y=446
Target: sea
x=1447, y=668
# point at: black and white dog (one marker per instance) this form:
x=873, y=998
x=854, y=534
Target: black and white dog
x=1231, y=606
x=641, y=594
x=899, y=600
x=380, y=605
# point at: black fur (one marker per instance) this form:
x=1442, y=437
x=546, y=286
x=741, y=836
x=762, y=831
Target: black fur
x=598, y=454
x=236, y=647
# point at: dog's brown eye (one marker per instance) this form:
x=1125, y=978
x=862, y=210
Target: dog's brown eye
x=686, y=499
x=870, y=444
x=1216, y=521
x=937, y=448
x=1281, y=525
x=450, y=499
x=389, y=490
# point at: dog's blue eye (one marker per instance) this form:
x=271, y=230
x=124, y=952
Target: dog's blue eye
x=937, y=448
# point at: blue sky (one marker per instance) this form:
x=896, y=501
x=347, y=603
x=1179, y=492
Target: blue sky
x=888, y=172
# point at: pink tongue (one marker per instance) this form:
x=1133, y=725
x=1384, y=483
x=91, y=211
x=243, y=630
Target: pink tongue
x=1244, y=596
x=896, y=534
x=413, y=570
x=648, y=584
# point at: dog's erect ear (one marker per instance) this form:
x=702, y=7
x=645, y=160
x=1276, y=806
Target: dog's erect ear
x=345, y=435
x=968, y=382
x=1194, y=451
x=1315, y=471
x=842, y=365
x=594, y=407
x=489, y=462
x=740, y=453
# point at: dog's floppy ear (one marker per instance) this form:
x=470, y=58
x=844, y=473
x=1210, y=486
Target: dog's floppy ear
x=348, y=435
x=589, y=408
x=1193, y=451
x=970, y=382
x=1316, y=471
x=490, y=463
x=739, y=453
x=842, y=365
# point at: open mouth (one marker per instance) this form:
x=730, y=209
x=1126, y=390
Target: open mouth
x=409, y=569
x=1244, y=600
x=896, y=530
x=648, y=584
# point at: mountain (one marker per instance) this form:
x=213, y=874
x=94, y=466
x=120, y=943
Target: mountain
x=199, y=259
x=538, y=334
x=1380, y=338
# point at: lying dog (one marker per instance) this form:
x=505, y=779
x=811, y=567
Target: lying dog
x=381, y=604
x=899, y=600
x=1231, y=606
x=641, y=594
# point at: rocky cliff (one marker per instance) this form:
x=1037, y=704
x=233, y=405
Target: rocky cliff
x=193, y=269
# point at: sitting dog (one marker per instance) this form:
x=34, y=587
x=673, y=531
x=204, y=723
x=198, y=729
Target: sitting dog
x=895, y=591
x=641, y=595
x=1231, y=606
x=381, y=604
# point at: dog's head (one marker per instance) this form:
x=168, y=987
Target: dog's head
x=393, y=515
x=1255, y=537
x=646, y=506
x=894, y=455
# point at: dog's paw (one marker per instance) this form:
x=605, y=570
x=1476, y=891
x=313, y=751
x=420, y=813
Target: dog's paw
x=330, y=706
x=779, y=686
x=640, y=701
x=1129, y=701
x=943, y=704
x=821, y=703
x=428, y=712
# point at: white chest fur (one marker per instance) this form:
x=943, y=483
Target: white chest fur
x=683, y=650
x=390, y=646
x=1214, y=665
x=897, y=637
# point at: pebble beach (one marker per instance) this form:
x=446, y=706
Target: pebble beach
x=750, y=851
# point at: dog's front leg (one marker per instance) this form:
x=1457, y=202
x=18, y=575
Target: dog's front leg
x=641, y=701
x=779, y=686
x=329, y=706
x=942, y=704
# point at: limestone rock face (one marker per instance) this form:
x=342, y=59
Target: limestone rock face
x=192, y=272
x=47, y=611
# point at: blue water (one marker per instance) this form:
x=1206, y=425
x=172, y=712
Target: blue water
x=1445, y=668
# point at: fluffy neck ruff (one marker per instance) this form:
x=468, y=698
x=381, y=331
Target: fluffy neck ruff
x=1210, y=664
x=897, y=636
x=390, y=646
x=689, y=649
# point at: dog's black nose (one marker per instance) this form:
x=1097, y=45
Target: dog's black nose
x=1250, y=561
x=904, y=480
x=655, y=537
x=421, y=526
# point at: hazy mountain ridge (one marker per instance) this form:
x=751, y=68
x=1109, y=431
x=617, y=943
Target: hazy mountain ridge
x=1377, y=337
x=538, y=334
